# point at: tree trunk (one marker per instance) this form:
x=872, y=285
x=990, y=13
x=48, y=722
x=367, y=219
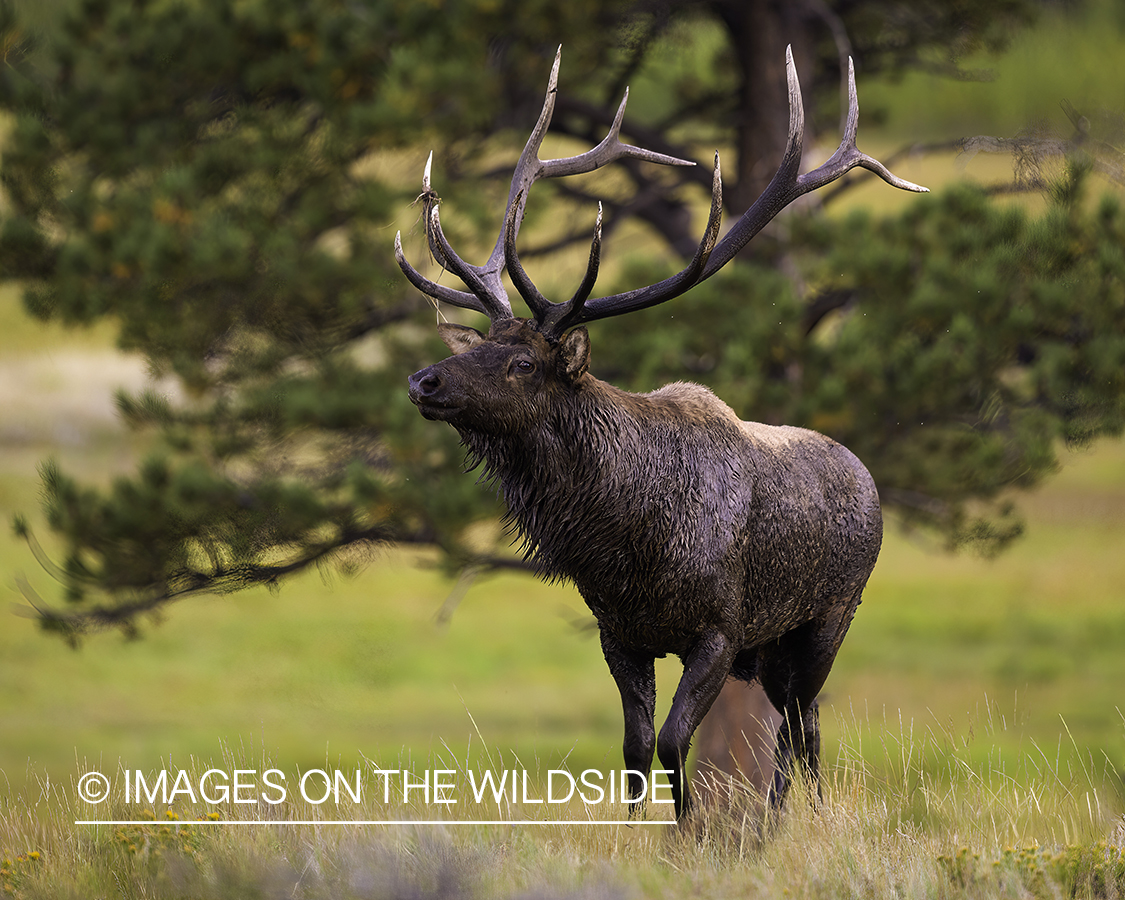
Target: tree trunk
x=760, y=30
x=734, y=744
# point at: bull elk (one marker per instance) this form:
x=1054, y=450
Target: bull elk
x=741, y=548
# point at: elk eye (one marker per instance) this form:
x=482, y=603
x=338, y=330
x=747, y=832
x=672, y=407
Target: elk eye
x=525, y=365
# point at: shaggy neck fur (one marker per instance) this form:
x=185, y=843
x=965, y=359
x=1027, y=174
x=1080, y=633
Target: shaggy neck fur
x=597, y=487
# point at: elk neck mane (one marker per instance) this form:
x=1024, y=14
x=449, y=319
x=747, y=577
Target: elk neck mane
x=584, y=476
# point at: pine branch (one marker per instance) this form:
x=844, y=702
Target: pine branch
x=185, y=583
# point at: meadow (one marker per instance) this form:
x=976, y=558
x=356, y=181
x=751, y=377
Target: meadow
x=974, y=721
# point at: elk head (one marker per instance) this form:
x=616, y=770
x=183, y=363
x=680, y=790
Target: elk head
x=499, y=383
x=522, y=354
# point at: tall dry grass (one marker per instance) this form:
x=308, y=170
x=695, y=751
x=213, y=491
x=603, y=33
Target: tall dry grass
x=922, y=813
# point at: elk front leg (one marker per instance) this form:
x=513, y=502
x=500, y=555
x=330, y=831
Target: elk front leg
x=706, y=669
x=635, y=675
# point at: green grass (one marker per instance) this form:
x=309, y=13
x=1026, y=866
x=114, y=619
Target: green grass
x=1068, y=55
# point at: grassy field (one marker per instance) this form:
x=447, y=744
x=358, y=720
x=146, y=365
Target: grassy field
x=974, y=834
x=1063, y=58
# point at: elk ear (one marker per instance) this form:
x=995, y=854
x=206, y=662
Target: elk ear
x=459, y=338
x=574, y=352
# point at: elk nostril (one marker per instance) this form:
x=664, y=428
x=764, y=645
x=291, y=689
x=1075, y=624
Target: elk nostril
x=425, y=383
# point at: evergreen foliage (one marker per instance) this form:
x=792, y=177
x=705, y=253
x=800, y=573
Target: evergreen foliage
x=195, y=172
x=198, y=172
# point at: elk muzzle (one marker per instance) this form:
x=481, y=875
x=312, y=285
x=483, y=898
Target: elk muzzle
x=428, y=392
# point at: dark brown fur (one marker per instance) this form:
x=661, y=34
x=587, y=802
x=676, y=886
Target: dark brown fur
x=741, y=548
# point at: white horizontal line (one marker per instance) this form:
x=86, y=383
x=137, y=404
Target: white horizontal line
x=369, y=822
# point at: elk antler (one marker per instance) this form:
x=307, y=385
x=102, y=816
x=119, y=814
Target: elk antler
x=552, y=319
x=484, y=282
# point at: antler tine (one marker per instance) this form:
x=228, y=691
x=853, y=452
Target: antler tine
x=487, y=293
x=492, y=296
x=530, y=168
x=786, y=185
x=847, y=155
x=592, y=265
x=539, y=305
x=642, y=298
x=432, y=288
x=561, y=316
x=430, y=201
x=608, y=150
x=553, y=318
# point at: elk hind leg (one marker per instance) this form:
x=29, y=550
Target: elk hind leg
x=792, y=673
x=798, y=744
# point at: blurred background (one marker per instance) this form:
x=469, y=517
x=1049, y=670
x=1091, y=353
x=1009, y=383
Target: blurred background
x=231, y=529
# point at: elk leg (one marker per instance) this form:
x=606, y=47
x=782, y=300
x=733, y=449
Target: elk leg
x=706, y=669
x=798, y=743
x=793, y=670
x=635, y=674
